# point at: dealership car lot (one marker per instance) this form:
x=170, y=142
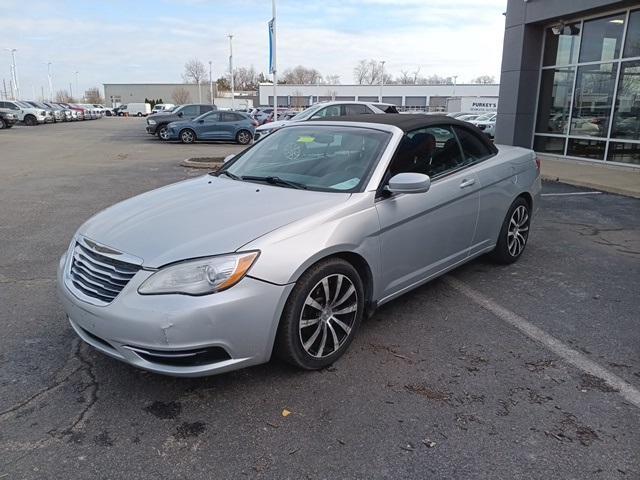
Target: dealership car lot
x=441, y=383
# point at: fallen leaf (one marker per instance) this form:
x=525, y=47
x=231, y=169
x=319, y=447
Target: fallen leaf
x=286, y=413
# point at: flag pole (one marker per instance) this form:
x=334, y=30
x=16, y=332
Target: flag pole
x=275, y=73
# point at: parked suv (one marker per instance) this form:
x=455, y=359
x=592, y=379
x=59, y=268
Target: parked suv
x=51, y=115
x=157, y=123
x=7, y=120
x=26, y=113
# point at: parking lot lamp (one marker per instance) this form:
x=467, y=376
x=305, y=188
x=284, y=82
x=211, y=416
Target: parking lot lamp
x=15, y=91
x=210, y=84
x=50, y=82
x=382, y=62
x=455, y=81
x=233, y=102
x=77, y=89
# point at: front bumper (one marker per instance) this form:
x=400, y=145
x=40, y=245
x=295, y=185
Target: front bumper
x=151, y=129
x=146, y=330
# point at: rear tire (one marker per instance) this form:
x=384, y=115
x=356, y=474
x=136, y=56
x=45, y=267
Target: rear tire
x=139, y=114
x=243, y=137
x=321, y=316
x=3, y=124
x=514, y=233
x=187, y=136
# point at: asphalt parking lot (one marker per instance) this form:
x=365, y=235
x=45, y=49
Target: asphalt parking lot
x=485, y=373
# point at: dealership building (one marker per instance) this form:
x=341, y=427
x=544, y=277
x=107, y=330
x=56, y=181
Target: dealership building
x=447, y=98
x=570, y=80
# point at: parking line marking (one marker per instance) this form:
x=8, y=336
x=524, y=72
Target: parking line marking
x=571, y=356
x=568, y=194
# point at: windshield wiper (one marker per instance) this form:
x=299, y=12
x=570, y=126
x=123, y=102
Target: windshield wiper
x=276, y=181
x=230, y=175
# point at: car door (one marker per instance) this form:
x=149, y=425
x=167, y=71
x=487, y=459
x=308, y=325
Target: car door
x=423, y=234
x=496, y=177
x=207, y=127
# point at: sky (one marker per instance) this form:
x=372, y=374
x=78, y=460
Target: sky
x=135, y=41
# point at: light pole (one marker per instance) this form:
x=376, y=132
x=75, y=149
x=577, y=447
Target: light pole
x=381, y=80
x=210, y=84
x=455, y=81
x=274, y=69
x=233, y=95
x=77, y=89
x=50, y=82
x=15, y=91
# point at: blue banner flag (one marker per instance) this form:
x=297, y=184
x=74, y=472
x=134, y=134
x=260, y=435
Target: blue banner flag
x=272, y=51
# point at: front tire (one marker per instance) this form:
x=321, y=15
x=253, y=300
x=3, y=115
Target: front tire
x=30, y=120
x=321, y=316
x=3, y=124
x=514, y=233
x=243, y=137
x=163, y=133
x=139, y=114
x=187, y=136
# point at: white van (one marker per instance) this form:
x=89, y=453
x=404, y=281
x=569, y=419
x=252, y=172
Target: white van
x=160, y=107
x=137, y=109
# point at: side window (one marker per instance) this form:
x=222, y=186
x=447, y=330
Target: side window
x=355, y=109
x=205, y=108
x=433, y=151
x=212, y=118
x=330, y=111
x=473, y=148
x=4, y=105
x=191, y=111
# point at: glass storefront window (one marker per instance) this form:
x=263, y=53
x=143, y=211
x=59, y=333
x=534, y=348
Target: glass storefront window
x=624, y=152
x=626, y=120
x=585, y=148
x=593, y=99
x=554, y=145
x=562, y=48
x=601, y=39
x=632, y=42
x=555, y=97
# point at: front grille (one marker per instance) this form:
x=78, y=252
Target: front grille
x=99, y=276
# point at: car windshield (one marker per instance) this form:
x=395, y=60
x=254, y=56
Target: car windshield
x=24, y=104
x=316, y=157
x=306, y=114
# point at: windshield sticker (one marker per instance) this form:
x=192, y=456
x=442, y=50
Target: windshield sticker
x=347, y=184
x=306, y=140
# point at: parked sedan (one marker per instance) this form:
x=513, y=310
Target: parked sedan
x=217, y=125
x=293, y=241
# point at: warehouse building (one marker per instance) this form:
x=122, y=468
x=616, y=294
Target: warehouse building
x=471, y=97
x=120, y=93
x=570, y=80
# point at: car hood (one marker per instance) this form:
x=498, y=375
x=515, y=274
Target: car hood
x=201, y=217
x=272, y=125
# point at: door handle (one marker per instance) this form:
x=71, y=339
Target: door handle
x=467, y=182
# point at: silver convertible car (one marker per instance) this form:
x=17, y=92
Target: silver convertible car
x=293, y=241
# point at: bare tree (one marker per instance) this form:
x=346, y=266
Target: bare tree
x=93, y=96
x=246, y=78
x=484, y=79
x=405, y=78
x=332, y=79
x=181, y=96
x=436, y=79
x=223, y=84
x=194, y=71
x=369, y=72
x=63, y=96
x=301, y=75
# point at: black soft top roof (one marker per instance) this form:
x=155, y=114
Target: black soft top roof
x=406, y=122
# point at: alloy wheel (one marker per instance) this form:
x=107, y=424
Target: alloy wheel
x=328, y=315
x=163, y=133
x=244, y=137
x=518, y=231
x=187, y=136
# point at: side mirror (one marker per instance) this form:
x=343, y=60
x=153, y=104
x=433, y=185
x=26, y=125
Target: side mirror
x=409, y=182
x=180, y=114
x=227, y=158
x=200, y=121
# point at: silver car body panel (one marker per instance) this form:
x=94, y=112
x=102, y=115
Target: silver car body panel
x=404, y=239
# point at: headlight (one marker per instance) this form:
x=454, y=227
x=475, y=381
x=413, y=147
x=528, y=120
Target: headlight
x=151, y=122
x=200, y=277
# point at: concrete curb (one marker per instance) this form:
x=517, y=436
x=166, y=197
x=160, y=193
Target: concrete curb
x=214, y=164
x=594, y=185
